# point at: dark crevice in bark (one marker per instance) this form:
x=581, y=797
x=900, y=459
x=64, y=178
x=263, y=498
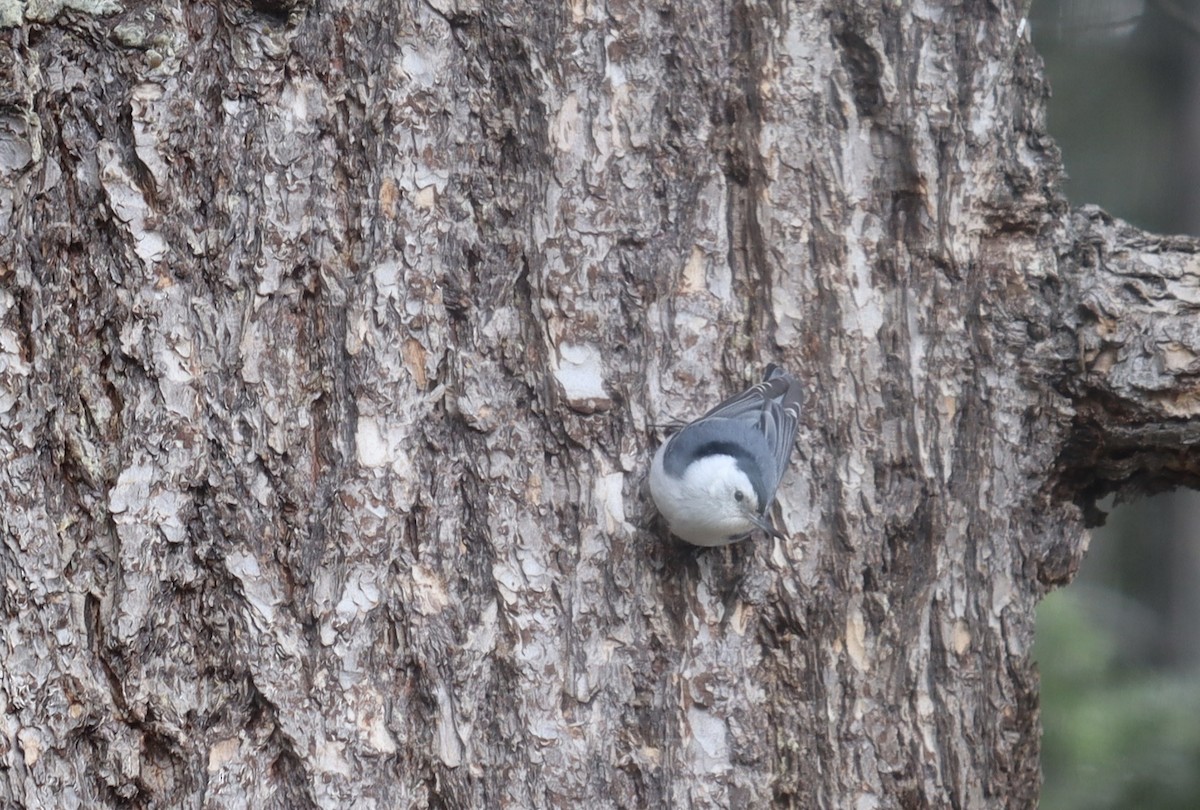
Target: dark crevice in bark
x=865, y=67
x=741, y=121
x=280, y=13
x=99, y=646
x=1102, y=458
x=292, y=781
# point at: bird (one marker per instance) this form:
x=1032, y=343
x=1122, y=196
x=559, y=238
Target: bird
x=715, y=480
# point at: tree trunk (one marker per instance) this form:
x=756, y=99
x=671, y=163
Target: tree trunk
x=332, y=342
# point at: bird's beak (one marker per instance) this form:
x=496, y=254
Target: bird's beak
x=764, y=523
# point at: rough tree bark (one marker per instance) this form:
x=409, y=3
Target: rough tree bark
x=332, y=339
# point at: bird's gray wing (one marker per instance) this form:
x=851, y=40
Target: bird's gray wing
x=749, y=403
x=772, y=406
x=781, y=418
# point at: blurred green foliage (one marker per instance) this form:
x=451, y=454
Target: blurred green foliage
x=1115, y=734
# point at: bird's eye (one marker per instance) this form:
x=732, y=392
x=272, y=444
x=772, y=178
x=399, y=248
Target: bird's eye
x=738, y=496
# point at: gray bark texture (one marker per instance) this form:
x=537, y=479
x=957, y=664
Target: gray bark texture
x=333, y=342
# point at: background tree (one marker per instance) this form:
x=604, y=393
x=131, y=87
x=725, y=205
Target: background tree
x=331, y=341
x=1118, y=651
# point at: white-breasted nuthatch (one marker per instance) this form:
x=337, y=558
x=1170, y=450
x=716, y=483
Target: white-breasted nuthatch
x=716, y=478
